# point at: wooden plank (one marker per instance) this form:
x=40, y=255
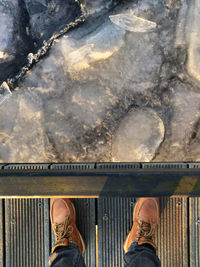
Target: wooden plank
x=194, y=231
x=114, y=222
x=172, y=232
x=95, y=183
x=27, y=232
x=1, y=229
x=86, y=223
x=194, y=226
x=1, y=234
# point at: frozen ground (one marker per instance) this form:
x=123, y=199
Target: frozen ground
x=122, y=86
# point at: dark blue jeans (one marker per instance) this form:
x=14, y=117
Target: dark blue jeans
x=137, y=256
x=141, y=256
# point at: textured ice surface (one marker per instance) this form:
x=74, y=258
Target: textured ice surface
x=132, y=23
x=22, y=135
x=14, y=41
x=4, y=92
x=8, y=12
x=185, y=113
x=49, y=16
x=181, y=26
x=138, y=136
x=100, y=45
x=104, y=93
x=194, y=40
x=95, y=6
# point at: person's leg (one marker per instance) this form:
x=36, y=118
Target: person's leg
x=139, y=245
x=67, y=257
x=141, y=256
x=69, y=243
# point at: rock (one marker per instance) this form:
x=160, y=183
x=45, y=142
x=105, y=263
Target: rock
x=138, y=137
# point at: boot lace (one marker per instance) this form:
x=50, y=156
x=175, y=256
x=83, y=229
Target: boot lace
x=66, y=231
x=146, y=230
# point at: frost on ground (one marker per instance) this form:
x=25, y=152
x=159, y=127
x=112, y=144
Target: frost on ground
x=140, y=133
x=119, y=87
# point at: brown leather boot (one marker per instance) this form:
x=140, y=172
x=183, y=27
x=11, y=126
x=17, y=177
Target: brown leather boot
x=63, y=220
x=145, y=220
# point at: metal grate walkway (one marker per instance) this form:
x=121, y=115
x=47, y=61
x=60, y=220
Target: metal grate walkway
x=26, y=237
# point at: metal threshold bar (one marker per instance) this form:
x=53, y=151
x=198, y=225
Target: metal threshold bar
x=99, y=179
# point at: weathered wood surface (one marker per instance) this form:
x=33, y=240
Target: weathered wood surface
x=26, y=232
